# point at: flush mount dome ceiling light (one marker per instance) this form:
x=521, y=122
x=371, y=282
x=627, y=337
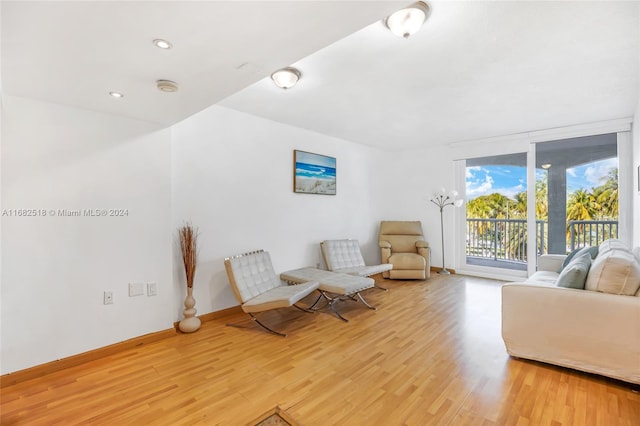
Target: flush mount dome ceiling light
x=286, y=78
x=116, y=95
x=407, y=22
x=167, y=86
x=162, y=44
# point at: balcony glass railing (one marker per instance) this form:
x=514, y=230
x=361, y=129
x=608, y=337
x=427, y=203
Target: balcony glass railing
x=506, y=239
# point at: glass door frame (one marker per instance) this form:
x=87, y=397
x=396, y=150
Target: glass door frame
x=625, y=184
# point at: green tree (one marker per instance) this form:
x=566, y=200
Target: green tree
x=607, y=196
x=582, y=205
x=478, y=209
x=519, y=209
x=492, y=206
x=542, y=200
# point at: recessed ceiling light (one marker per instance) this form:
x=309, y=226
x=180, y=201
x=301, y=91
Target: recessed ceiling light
x=286, y=78
x=116, y=94
x=162, y=44
x=167, y=86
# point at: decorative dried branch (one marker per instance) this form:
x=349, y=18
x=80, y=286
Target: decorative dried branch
x=189, y=246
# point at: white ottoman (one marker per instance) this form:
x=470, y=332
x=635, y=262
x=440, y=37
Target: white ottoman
x=343, y=286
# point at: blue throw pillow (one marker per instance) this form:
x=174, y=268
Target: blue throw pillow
x=593, y=251
x=574, y=275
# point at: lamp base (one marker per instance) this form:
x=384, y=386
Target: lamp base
x=444, y=271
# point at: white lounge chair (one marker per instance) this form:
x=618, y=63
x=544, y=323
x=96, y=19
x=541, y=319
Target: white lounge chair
x=257, y=287
x=345, y=256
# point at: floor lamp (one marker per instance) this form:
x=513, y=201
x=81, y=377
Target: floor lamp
x=443, y=199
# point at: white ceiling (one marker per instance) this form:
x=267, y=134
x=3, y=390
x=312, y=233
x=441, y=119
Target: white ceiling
x=476, y=69
x=76, y=52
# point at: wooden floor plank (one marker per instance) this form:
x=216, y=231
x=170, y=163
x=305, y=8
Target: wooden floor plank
x=430, y=354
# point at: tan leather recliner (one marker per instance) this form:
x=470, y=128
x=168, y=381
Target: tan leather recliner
x=402, y=244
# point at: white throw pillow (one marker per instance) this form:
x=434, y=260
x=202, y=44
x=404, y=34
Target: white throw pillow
x=612, y=244
x=614, y=271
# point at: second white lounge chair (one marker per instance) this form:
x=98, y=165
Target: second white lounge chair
x=345, y=256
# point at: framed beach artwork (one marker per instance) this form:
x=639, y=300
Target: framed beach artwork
x=314, y=173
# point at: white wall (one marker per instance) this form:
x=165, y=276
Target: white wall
x=405, y=182
x=636, y=161
x=233, y=179
x=636, y=174
x=55, y=269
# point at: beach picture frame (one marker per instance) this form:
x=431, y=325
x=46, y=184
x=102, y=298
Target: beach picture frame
x=313, y=173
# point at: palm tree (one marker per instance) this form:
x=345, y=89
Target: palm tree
x=477, y=209
x=542, y=200
x=607, y=195
x=582, y=205
x=520, y=208
x=516, y=243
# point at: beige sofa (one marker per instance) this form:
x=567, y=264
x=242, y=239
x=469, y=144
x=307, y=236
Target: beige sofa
x=596, y=329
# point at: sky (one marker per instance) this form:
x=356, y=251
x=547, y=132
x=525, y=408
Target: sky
x=317, y=159
x=509, y=180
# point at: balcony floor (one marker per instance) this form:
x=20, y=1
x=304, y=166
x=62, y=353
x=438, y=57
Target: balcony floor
x=504, y=264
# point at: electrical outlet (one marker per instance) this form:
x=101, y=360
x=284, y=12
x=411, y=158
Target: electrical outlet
x=108, y=297
x=136, y=289
x=152, y=289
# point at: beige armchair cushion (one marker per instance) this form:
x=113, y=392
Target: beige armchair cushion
x=407, y=261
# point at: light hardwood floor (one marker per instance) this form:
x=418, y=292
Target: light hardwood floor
x=431, y=354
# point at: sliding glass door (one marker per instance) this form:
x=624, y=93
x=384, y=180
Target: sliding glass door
x=580, y=178
x=574, y=184
x=496, y=211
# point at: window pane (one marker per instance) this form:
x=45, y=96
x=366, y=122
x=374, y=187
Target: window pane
x=496, y=225
x=580, y=176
